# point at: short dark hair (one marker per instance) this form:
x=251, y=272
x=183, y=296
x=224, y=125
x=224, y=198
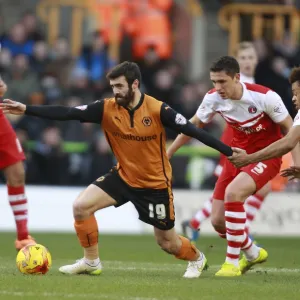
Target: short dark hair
x=130, y=70
x=228, y=64
x=295, y=75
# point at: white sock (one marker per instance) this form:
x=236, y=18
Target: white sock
x=204, y=213
x=92, y=262
x=252, y=252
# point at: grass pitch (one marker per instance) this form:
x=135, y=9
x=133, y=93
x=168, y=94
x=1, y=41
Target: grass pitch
x=136, y=269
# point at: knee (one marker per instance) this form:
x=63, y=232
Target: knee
x=218, y=223
x=16, y=176
x=80, y=209
x=233, y=195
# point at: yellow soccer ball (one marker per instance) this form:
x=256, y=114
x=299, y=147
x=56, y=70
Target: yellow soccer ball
x=34, y=259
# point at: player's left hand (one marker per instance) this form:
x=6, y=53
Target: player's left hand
x=291, y=172
x=239, y=157
x=3, y=88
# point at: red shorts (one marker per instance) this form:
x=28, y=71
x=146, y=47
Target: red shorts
x=261, y=173
x=11, y=150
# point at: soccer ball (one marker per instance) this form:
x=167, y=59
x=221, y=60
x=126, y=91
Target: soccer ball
x=34, y=259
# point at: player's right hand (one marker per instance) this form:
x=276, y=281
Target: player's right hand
x=12, y=107
x=291, y=172
x=239, y=157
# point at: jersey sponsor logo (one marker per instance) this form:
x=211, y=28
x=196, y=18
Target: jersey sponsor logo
x=249, y=130
x=180, y=119
x=252, y=109
x=147, y=121
x=81, y=107
x=135, y=137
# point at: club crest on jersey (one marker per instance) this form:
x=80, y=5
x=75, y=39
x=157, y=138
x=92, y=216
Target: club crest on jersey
x=252, y=109
x=147, y=121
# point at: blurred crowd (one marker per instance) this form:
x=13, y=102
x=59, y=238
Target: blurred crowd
x=38, y=74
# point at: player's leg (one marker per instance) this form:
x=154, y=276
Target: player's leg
x=106, y=191
x=15, y=179
x=181, y=248
x=194, y=224
x=92, y=199
x=235, y=219
x=155, y=207
x=191, y=227
x=11, y=163
x=254, y=202
x=260, y=173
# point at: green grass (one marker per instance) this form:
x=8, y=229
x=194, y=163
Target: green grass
x=136, y=269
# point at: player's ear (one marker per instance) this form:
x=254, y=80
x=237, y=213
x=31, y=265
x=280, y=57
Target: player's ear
x=237, y=76
x=135, y=85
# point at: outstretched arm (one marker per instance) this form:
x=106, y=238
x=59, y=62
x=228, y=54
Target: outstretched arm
x=288, y=143
x=91, y=113
x=170, y=118
x=279, y=148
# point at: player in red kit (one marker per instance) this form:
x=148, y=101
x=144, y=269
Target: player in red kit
x=247, y=59
x=256, y=115
x=11, y=163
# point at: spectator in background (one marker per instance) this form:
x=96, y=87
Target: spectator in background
x=5, y=62
x=52, y=90
x=273, y=71
x=151, y=27
x=150, y=65
x=51, y=162
x=33, y=126
x=40, y=59
x=31, y=27
x=75, y=131
x=62, y=62
x=94, y=59
x=99, y=157
x=17, y=41
x=22, y=82
x=79, y=86
x=289, y=49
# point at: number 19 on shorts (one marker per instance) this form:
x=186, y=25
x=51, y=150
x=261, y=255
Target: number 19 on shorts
x=158, y=209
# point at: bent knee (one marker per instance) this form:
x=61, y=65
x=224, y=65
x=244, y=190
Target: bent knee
x=218, y=223
x=234, y=195
x=80, y=209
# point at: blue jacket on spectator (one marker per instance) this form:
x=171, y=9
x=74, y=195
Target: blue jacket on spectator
x=96, y=64
x=15, y=49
